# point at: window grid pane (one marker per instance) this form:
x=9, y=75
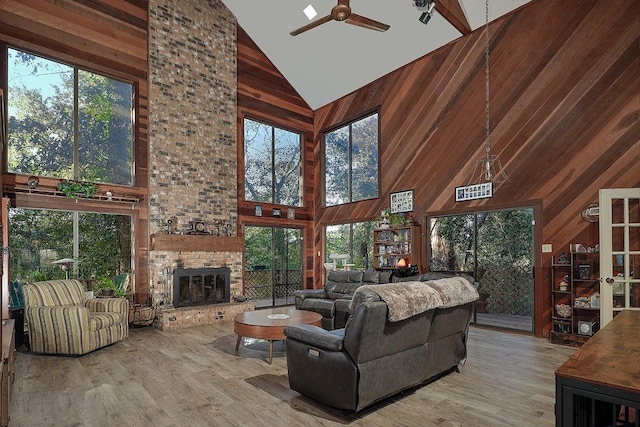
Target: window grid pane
x=41, y=122
x=288, y=167
x=272, y=164
x=258, y=147
x=351, y=162
x=337, y=188
x=365, y=158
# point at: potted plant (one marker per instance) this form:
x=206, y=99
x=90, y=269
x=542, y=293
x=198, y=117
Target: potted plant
x=386, y=219
x=108, y=288
x=73, y=189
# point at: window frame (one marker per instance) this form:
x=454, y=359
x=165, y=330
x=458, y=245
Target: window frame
x=110, y=74
x=243, y=156
x=350, y=123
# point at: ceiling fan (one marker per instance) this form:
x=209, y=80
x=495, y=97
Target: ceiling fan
x=342, y=12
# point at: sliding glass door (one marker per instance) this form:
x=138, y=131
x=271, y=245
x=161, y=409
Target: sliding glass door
x=273, y=260
x=495, y=247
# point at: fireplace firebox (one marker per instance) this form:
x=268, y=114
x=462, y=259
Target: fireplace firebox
x=201, y=286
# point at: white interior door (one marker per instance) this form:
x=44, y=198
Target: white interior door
x=619, y=251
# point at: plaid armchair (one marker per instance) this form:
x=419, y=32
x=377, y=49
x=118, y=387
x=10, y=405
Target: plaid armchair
x=60, y=320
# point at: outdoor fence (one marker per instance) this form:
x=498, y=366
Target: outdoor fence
x=272, y=284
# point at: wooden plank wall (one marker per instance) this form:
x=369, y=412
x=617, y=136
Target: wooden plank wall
x=265, y=95
x=565, y=109
x=106, y=36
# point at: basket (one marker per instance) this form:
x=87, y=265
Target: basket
x=140, y=315
x=563, y=310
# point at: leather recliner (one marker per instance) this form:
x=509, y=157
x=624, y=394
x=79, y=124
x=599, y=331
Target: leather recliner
x=373, y=358
x=333, y=301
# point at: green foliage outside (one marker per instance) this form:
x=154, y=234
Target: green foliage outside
x=354, y=239
x=39, y=237
x=273, y=262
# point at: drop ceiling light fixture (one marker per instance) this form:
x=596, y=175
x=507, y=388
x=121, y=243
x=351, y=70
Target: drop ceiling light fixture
x=488, y=167
x=426, y=15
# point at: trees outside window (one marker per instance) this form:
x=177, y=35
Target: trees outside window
x=68, y=123
x=354, y=239
x=351, y=162
x=272, y=164
x=100, y=242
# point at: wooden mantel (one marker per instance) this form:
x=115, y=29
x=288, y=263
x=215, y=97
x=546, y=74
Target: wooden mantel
x=193, y=243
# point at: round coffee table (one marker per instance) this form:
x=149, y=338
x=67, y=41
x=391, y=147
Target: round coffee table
x=268, y=324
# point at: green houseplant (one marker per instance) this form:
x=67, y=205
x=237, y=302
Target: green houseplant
x=107, y=287
x=73, y=189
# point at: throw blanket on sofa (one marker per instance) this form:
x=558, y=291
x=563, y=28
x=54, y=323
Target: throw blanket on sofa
x=406, y=299
x=454, y=291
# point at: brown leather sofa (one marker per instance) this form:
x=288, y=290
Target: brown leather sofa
x=373, y=358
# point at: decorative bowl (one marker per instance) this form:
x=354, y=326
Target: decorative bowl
x=563, y=310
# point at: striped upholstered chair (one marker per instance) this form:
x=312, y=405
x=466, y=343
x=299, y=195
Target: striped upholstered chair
x=60, y=320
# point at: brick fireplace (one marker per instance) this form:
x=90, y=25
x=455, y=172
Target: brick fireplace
x=192, y=153
x=200, y=286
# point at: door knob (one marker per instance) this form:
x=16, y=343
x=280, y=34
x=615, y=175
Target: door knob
x=610, y=280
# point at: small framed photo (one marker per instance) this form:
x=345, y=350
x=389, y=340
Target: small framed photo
x=258, y=210
x=277, y=213
x=291, y=213
x=401, y=201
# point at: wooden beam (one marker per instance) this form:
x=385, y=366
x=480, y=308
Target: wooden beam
x=452, y=12
x=192, y=243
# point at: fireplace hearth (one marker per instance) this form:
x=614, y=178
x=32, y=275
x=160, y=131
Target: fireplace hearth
x=201, y=286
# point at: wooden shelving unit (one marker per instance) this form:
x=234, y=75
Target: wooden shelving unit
x=390, y=245
x=580, y=272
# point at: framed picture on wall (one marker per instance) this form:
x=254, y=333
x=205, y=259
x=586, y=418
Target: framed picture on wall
x=402, y=201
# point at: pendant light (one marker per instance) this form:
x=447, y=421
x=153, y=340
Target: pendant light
x=488, y=167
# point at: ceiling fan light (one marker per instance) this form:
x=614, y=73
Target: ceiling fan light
x=310, y=12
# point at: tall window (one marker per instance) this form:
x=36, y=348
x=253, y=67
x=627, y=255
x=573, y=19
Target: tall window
x=351, y=162
x=101, y=243
x=68, y=123
x=272, y=164
x=354, y=239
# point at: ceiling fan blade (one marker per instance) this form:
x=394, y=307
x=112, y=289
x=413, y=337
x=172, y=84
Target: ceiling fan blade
x=362, y=21
x=311, y=25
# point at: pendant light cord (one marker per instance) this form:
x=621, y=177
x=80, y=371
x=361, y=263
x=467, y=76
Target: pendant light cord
x=486, y=70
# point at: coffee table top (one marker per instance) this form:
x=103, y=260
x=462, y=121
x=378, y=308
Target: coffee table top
x=269, y=324
x=277, y=317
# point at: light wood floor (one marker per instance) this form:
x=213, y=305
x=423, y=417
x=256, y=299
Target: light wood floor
x=194, y=377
